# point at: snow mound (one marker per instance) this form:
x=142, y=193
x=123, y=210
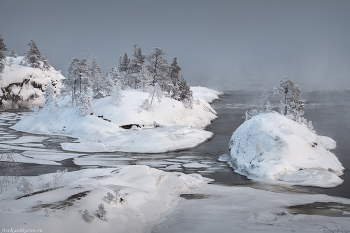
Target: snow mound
x=272, y=147
x=168, y=126
x=146, y=193
x=207, y=94
x=23, y=86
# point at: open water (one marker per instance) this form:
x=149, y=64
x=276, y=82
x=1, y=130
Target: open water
x=328, y=110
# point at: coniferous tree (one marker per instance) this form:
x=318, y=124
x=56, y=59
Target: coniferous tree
x=33, y=55
x=49, y=96
x=135, y=66
x=174, y=75
x=264, y=103
x=124, y=63
x=85, y=95
x=3, y=50
x=124, y=69
x=158, y=68
x=46, y=63
x=96, y=76
x=102, y=212
x=290, y=104
x=71, y=81
x=117, y=94
x=120, y=77
x=146, y=79
x=185, y=93
x=107, y=84
x=13, y=53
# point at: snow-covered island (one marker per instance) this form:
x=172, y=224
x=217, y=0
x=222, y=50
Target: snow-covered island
x=133, y=108
x=168, y=126
x=276, y=147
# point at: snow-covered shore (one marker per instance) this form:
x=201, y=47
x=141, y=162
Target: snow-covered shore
x=151, y=202
x=272, y=147
x=168, y=126
x=221, y=208
x=61, y=198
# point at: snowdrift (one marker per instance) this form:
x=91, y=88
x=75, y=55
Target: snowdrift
x=207, y=94
x=272, y=147
x=130, y=128
x=146, y=192
x=23, y=86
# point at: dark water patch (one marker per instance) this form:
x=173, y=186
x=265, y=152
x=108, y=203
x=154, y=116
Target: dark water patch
x=69, y=163
x=194, y=196
x=330, y=209
x=33, y=169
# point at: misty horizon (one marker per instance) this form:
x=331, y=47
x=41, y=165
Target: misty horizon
x=228, y=45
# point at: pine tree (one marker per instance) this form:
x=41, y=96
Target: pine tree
x=33, y=55
x=174, y=75
x=154, y=91
x=102, y=212
x=146, y=79
x=158, y=69
x=290, y=104
x=49, y=96
x=135, y=66
x=13, y=53
x=185, y=93
x=85, y=102
x=3, y=50
x=117, y=94
x=107, y=84
x=72, y=79
x=96, y=76
x=46, y=63
x=264, y=103
x=2, y=45
x=124, y=63
x=85, y=87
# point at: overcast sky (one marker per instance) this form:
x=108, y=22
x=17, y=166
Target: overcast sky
x=220, y=44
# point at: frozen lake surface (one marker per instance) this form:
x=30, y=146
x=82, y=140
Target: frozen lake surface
x=329, y=112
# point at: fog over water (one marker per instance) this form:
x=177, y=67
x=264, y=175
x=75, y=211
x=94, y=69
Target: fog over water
x=228, y=45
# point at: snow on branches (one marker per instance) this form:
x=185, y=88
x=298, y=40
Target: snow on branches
x=290, y=103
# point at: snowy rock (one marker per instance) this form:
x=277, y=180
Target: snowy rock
x=23, y=86
x=272, y=147
x=327, y=142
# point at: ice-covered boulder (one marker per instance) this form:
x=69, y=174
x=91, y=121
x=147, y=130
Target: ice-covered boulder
x=23, y=86
x=273, y=147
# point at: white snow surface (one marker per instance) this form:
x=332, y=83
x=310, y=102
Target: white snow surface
x=207, y=94
x=299, y=156
x=147, y=192
x=17, y=73
x=243, y=209
x=167, y=126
